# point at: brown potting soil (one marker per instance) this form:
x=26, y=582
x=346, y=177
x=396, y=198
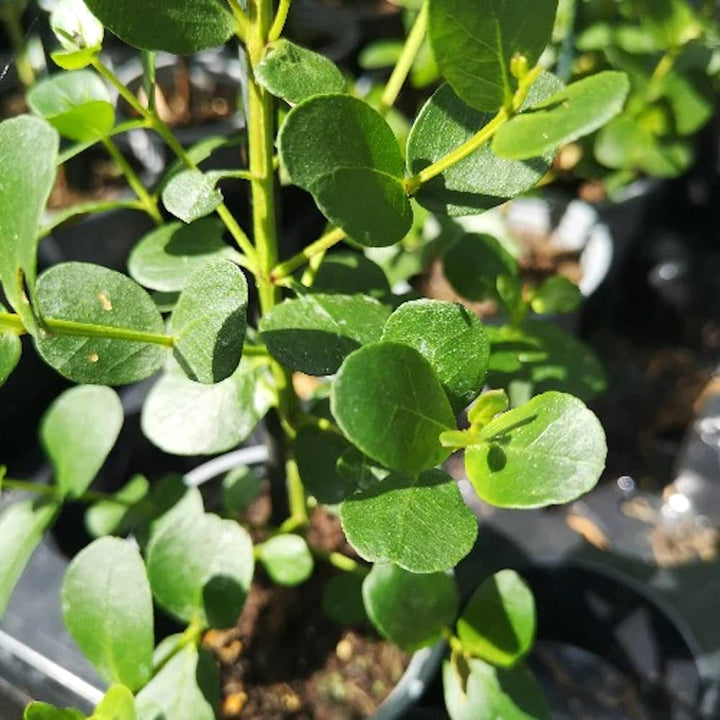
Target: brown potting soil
x=287, y=660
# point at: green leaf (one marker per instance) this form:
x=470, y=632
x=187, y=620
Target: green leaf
x=474, y=43
x=183, y=417
x=579, y=110
x=483, y=692
x=21, y=528
x=76, y=28
x=286, y=559
x=294, y=73
x=187, y=687
x=43, y=711
x=419, y=523
x=315, y=333
x=77, y=104
x=182, y=28
x=191, y=195
x=486, y=407
x=672, y=23
x=474, y=264
x=28, y=163
x=390, y=404
x=240, y=487
x=691, y=95
x=451, y=339
x=537, y=356
x=351, y=274
x=116, y=518
x=482, y=180
x=78, y=432
x=118, y=704
x=498, y=623
x=10, y=351
x=317, y=453
x=549, y=451
x=557, y=294
x=410, y=610
x=200, y=569
x=94, y=295
x=342, y=600
x=355, y=173
x=166, y=258
x=209, y=322
x=380, y=54
x=107, y=608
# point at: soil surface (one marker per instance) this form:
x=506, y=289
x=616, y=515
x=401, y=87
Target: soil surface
x=287, y=660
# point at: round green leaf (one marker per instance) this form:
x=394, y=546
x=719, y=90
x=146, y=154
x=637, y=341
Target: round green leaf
x=183, y=417
x=478, y=691
x=557, y=294
x=342, y=599
x=166, y=258
x=410, y=610
x=191, y=195
x=43, y=711
x=187, y=687
x=451, y=339
x=389, y=402
x=77, y=104
x=355, y=173
x=78, y=432
x=474, y=264
x=351, y=274
x=240, y=487
x=10, y=351
x=182, y=27
x=578, y=110
x=209, y=322
x=117, y=518
x=482, y=180
x=286, y=559
x=94, y=295
x=317, y=454
x=28, y=164
x=549, y=451
x=474, y=43
x=315, y=333
x=691, y=97
x=200, y=569
x=419, y=523
x=498, y=623
x=107, y=608
x=536, y=357
x=118, y=704
x=294, y=73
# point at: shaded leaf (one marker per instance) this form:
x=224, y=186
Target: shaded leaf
x=342, y=599
x=286, y=559
x=240, y=487
x=116, y=518
x=10, y=351
x=317, y=454
x=351, y=274
x=557, y=294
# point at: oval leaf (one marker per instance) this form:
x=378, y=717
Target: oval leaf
x=579, y=110
x=388, y=401
x=482, y=180
x=410, y=610
x=549, y=451
x=10, y=351
x=94, y=295
x=116, y=518
x=78, y=432
x=451, y=339
x=107, y=608
x=317, y=454
x=294, y=73
x=191, y=195
x=43, y=711
x=355, y=173
x=183, y=417
x=166, y=258
x=498, y=623
x=419, y=523
x=200, y=569
x=209, y=322
x=474, y=43
x=182, y=27
x=77, y=104
x=351, y=274
x=315, y=333
x=28, y=164
x=118, y=704
x=286, y=559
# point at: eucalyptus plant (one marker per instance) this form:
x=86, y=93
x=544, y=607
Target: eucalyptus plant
x=402, y=382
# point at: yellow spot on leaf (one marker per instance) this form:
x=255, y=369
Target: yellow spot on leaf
x=93, y=357
x=105, y=301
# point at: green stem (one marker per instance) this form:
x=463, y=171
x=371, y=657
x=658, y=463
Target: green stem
x=149, y=203
x=662, y=69
x=12, y=21
x=280, y=19
x=296, y=494
x=340, y=561
x=241, y=19
x=89, y=496
x=78, y=148
x=404, y=64
x=284, y=270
